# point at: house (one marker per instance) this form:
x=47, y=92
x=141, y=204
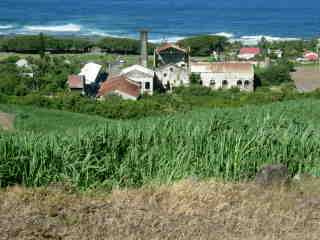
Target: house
x=90, y=72
x=76, y=83
x=248, y=53
x=311, y=56
x=172, y=75
x=121, y=86
x=26, y=68
x=91, y=76
x=22, y=63
x=171, y=54
x=143, y=76
x=225, y=75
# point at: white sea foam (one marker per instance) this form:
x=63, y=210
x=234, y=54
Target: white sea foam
x=254, y=40
x=169, y=39
x=57, y=28
x=102, y=34
x=224, y=34
x=6, y=27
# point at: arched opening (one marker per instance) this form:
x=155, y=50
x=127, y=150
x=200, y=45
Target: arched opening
x=239, y=83
x=224, y=84
x=246, y=83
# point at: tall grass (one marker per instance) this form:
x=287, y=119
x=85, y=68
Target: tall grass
x=230, y=144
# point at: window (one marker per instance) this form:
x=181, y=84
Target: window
x=239, y=83
x=212, y=82
x=165, y=74
x=224, y=83
x=147, y=85
x=246, y=83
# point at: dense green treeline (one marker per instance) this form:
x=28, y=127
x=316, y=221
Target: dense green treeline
x=34, y=44
x=202, y=45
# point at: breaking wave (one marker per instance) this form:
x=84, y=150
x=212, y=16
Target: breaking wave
x=56, y=28
x=224, y=34
x=252, y=40
x=4, y=27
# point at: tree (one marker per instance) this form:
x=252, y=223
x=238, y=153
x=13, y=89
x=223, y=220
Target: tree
x=204, y=45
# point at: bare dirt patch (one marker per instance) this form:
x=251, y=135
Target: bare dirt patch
x=307, y=78
x=186, y=210
x=6, y=121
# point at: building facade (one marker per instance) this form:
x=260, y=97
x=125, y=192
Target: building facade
x=142, y=75
x=172, y=76
x=225, y=75
x=171, y=54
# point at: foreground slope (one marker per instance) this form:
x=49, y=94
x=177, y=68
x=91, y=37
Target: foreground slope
x=185, y=210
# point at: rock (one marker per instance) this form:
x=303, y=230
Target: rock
x=272, y=174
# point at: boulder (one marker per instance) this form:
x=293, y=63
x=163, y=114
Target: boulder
x=272, y=174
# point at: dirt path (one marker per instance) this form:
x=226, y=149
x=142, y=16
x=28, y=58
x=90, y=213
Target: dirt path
x=6, y=121
x=307, y=78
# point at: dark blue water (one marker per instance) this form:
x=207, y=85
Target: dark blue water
x=167, y=19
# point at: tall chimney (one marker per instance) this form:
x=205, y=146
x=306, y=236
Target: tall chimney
x=144, y=47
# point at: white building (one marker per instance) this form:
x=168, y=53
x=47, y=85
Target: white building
x=172, y=76
x=26, y=68
x=225, y=75
x=142, y=75
x=90, y=72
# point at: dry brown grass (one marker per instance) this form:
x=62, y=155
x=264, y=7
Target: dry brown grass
x=185, y=210
x=6, y=121
x=307, y=78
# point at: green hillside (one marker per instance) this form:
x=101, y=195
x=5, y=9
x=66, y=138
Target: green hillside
x=228, y=144
x=35, y=119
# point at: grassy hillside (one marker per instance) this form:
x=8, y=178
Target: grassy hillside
x=229, y=144
x=42, y=120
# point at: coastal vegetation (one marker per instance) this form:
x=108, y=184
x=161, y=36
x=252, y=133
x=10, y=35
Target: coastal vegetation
x=204, y=45
x=33, y=44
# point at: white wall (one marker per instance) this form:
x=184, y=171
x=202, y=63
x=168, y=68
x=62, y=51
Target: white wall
x=174, y=76
x=142, y=78
x=231, y=78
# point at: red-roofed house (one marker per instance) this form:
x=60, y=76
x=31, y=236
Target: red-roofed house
x=249, y=53
x=311, y=56
x=121, y=86
x=76, y=83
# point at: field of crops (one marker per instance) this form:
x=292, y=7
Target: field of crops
x=229, y=144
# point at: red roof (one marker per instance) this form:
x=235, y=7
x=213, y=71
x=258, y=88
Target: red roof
x=255, y=51
x=311, y=56
x=169, y=45
x=75, y=81
x=121, y=84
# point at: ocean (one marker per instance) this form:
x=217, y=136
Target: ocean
x=166, y=19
